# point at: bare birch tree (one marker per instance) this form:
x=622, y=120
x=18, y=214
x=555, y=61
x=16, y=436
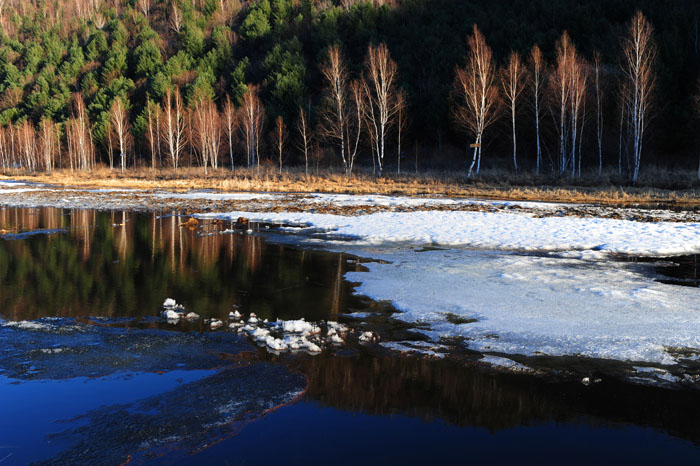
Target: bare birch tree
x=305, y=137
x=598, y=108
x=230, y=123
x=513, y=78
x=622, y=126
x=401, y=124
x=200, y=133
x=173, y=121
x=696, y=99
x=353, y=127
x=26, y=139
x=214, y=140
x=81, y=151
x=119, y=120
x=4, y=159
x=334, y=116
x=537, y=67
x=560, y=84
x=145, y=7
x=48, y=139
x=639, y=58
x=381, y=95
x=152, y=129
x=578, y=76
x=206, y=132
x=281, y=135
x=175, y=17
x=251, y=119
x=476, y=94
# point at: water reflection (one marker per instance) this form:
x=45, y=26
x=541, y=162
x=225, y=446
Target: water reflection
x=118, y=264
x=468, y=395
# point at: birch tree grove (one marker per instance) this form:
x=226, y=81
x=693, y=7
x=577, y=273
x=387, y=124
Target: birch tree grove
x=168, y=84
x=639, y=57
x=513, y=78
x=477, y=94
x=380, y=86
x=537, y=68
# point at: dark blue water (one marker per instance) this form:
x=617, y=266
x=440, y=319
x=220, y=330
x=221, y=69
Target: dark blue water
x=130, y=387
x=345, y=438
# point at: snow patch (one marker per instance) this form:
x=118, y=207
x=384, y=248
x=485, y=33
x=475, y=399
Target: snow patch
x=216, y=196
x=28, y=325
x=496, y=230
x=504, y=363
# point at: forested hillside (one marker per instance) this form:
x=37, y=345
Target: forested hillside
x=221, y=82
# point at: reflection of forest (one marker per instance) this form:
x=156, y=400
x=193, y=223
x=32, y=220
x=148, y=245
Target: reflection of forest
x=470, y=396
x=127, y=263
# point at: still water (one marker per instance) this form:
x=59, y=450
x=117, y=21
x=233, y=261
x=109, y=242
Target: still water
x=97, y=377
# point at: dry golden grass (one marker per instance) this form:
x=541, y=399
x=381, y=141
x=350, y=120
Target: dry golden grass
x=491, y=185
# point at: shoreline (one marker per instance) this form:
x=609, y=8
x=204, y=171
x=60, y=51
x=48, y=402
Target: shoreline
x=270, y=181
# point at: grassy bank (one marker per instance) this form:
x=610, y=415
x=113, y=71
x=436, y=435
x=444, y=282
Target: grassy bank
x=656, y=187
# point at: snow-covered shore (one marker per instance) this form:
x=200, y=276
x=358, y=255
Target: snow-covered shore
x=496, y=231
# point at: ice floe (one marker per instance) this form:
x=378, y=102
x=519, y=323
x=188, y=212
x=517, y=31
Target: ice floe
x=215, y=323
x=292, y=335
x=368, y=337
x=533, y=305
x=173, y=311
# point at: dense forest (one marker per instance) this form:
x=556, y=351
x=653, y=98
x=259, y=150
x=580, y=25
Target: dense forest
x=224, y=83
